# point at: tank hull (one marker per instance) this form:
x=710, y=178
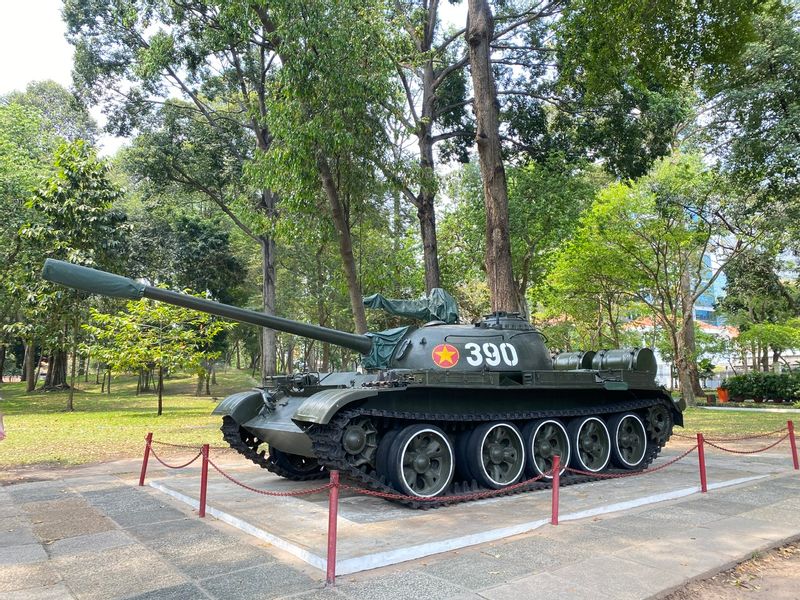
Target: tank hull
x=344, y=419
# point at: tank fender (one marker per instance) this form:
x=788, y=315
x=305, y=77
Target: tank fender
x=241, y=406
x=320, y=407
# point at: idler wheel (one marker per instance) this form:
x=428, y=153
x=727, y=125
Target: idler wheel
x=629, y=440
x=545, y=439
x=591, y=444
x=421, y=461
x=496, y=454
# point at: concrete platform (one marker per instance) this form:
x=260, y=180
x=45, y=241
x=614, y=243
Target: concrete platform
x=91, y=533
x=375, y=533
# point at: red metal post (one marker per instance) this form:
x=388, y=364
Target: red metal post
x=556, y=483
x=149, y=440
x=793, y=444
x=203, y=480
x=701, y=457
x=333, y=516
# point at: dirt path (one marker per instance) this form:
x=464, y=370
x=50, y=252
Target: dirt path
x=774, y=575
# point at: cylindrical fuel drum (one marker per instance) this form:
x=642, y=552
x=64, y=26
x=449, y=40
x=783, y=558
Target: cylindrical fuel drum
x=626, y=359
x=569, y=361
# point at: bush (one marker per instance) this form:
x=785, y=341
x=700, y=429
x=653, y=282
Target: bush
x=764, y=386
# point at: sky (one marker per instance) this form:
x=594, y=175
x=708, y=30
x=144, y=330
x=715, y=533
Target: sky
x=33, y=48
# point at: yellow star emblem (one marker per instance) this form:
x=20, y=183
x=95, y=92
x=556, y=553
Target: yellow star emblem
x=445, y=356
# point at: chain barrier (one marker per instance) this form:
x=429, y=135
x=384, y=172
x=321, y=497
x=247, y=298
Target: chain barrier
x=633, y=473
x=153, y=452
x=457, y=497
x=756, y=451
x=189, y=447
x=308, y=492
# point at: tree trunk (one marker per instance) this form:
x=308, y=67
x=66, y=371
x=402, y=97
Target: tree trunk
x=71, y=397
x=198, y=391
x=688, y=333
x=268, y=336
x=480, y=29
x=2, y=361
x=160, y=388
x=57, y=370
x=345, y=245
x=238, y=356
x=28, y=367
x=682, y=368
x=108, y=382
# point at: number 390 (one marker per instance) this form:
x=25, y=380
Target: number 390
x=491, y=354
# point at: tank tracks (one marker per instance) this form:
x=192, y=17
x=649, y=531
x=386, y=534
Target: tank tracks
x=247, y=445
x=327, y=443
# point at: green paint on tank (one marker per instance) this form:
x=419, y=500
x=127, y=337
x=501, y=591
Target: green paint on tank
x=458, y=393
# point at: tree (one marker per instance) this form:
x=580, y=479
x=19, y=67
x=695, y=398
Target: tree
x=646, y=242
x=219, y=58
x=598, y=47
x=64, y=114
x=752, y=114
x=325, y=116
x=480, y=31
x=155, y=336
x=545, y=203
x=72, y=219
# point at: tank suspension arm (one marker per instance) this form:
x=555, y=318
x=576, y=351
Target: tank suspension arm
x=117, y=286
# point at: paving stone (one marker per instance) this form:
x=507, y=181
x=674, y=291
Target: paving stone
x=117, y=500
x=476, y=570
x=16, y=530
x=617, y=577
x=37, y=491
x=544, y=585
x=52, y=592
x=57, y=519
x=539, y=552
x=120, y=573
x=403, y=585
x=715, y=505
x=324, y=593
x=263, y=582
x=202, y=565
x=758, y=494
x=185, y=591
x=8, y=508
x=140, y=517
x=183, y=536
x=20, y=577
x=21, y=554
x=94, y=542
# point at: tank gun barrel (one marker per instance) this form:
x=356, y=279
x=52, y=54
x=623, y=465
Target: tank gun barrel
x=107, y=284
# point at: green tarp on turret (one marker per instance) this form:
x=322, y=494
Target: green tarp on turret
x=437, y=306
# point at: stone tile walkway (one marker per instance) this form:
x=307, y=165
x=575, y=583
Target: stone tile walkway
x=91, y=533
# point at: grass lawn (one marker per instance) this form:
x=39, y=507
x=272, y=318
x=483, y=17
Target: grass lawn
x=103, y=427
x=106, y=427
x=721, y=423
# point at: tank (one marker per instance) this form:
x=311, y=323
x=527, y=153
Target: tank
x=439, y=409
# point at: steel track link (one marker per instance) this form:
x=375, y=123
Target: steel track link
x=232, y=433
x=326, y=441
